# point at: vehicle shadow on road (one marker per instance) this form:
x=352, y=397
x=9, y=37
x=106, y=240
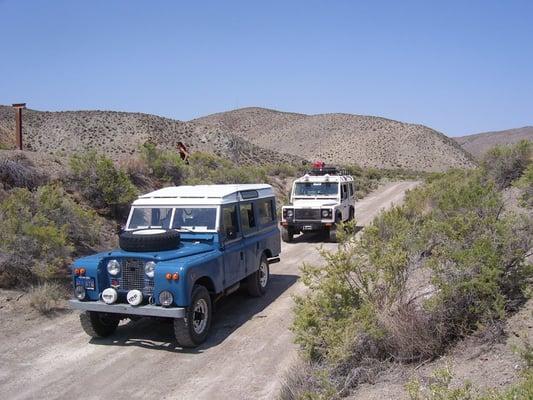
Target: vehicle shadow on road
x=231, y=312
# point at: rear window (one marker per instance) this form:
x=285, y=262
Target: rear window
x=247, y=217
x=266, y=211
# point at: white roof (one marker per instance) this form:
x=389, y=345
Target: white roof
x=203, y=194
x=325, y=178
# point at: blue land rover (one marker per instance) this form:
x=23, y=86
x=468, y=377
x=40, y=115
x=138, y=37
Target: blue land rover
x=182, y=248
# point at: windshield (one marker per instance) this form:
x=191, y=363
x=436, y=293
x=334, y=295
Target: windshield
x=202, y=219
x=316, y=189
x=145, y=218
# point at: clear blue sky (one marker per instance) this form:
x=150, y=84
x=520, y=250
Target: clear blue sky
x=457, y=66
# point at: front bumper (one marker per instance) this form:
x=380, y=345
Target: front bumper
x=308, y=226
x=127, y=309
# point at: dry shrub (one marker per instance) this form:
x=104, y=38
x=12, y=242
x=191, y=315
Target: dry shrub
x=47, y=297
x=20, y=173
x=410, y=333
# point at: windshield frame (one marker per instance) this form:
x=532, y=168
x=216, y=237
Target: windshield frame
x=173, y=213
x=308, y=196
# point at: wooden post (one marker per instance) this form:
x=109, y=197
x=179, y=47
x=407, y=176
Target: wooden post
x=18, y=123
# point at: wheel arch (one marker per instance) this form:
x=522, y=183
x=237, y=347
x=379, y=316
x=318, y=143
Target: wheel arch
x=206, y=282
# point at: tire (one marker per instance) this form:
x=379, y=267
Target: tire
x=257, y=282
x=98, y=325
x=192, y=330
x=137, y=241
x=333, y=235
x=287, y=235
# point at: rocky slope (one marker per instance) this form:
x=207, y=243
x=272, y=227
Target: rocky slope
x=249, y=135
x=119, y=134
x=479, y=143
x=343, y=138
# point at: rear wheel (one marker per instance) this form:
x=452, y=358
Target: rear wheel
x=287, y=235
x=192, y=330
x=258, y=282
x=98, y=325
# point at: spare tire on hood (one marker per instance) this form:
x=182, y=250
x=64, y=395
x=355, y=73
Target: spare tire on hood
x=149, y=240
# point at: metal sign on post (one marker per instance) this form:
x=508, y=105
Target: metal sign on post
x=18, y=118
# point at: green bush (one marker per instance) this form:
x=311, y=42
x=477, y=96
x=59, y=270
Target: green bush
x=101, y=183
x=41, y=231
x=206, y=168
x=525, y=183
x=451, y=234
x=164, y=165
x=46, y=297
x=504, y=164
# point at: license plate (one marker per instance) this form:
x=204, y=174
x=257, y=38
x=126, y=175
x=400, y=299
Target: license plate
x=307, y=228
x=85, y=281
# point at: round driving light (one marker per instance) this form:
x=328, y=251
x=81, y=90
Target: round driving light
x=134, y=297
x=79, y=292
x=109, y=295
x=290, y=213
x=149, y=269
x=165, y=298
x=113, y=267
x=325, y=213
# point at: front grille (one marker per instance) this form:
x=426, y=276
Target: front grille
x=307, y=214
x=133, y=276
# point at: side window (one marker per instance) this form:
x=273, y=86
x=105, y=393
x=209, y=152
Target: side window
x=351, y=189
x=247, y=217
x=266, y=211
x=344, y=192
x=230, y=224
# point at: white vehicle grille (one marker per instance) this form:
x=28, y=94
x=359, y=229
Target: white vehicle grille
x=133, y=276
x=307, y=214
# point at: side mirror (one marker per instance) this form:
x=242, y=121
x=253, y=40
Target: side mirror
x=120, y=229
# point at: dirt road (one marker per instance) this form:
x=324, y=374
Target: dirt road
x=249, y=347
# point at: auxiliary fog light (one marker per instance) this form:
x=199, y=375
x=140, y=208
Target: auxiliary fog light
x=109, y=295
x=165, y=298
x=79, y=292
x=134, y=297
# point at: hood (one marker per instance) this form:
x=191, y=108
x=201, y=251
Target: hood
x=186, y=249
x=314, y=203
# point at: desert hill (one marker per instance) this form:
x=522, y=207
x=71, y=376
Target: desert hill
x=119, y=135
x=343, y=138
x=479, y=143
x=246, y=136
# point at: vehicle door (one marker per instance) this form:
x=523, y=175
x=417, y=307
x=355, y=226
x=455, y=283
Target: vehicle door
x=233, y=253
x=248, y=216
x=345, y=203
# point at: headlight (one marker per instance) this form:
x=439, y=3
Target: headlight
x=326, y=213
x=290, y=213
x=165, y=298
x=149, y=269
x=79, y=292
x=113, y=267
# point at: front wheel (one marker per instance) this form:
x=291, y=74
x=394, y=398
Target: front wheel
x=98, y=325
x=192, y=330
x=258, y=282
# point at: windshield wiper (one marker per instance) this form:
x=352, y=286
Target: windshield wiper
x=180, y=228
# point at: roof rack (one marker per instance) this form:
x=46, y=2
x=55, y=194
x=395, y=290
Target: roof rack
x=328, y=171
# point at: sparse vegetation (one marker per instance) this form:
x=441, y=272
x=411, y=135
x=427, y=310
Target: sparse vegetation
x=47, y=296
x=441, y=387
x=525, y=183
x=419, y=277
x=105, y=186
x=164, y=165
x=40, y=233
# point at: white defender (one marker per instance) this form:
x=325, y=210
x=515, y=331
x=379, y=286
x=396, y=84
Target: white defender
x=319, y=201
